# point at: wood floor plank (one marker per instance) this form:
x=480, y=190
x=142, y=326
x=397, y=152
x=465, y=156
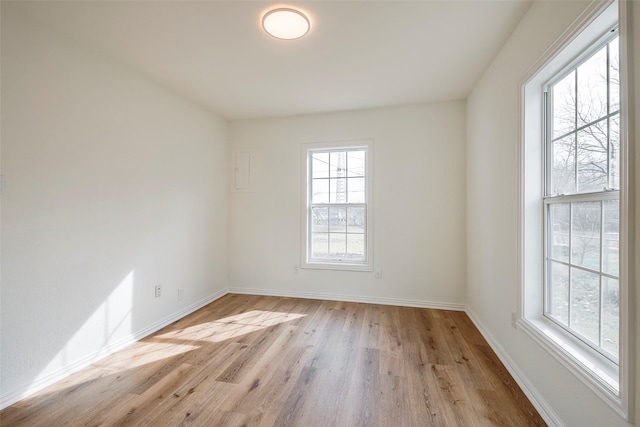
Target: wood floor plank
x=391, y=351
x=361, y=398
x=267, y=361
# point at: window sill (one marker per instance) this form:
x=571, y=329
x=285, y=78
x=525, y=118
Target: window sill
x=594, y=370
x=335, y=266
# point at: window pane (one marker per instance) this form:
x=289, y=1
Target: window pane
x=338, y=164
x=614, y=151
x=585, y=235
x=611, y=237
x=355, y=247
x=338, y=188
x=319, y=220
x=338, y=220
x=564, y=163
x=320, y=165
x=356, y=220
x=614, y=75
x=319, y=245
x=559, y=292
x=592, y=88
x=610, y=315
x=337, y=245
x=585, y=304
x=564, y=105
x=559, y=221
x=592, y=158
x=356, y=190
x=355, y=163
x=320, y=191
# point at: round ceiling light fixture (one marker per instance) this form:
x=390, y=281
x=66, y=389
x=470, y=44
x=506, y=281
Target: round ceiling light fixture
x=286, y=23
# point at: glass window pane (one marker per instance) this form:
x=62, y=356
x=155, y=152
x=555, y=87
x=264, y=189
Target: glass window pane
x=356, y=190
x=614, y=75
x=355, y=247
x=592, y=88
x=611, y=237
x=319, y=245
x=610, y=315
x=585, y=235
x=320, y=191
x=558, y=290
x=559, y=233
x=337, y=164
x=356, y=220
x=338, y=190
x=320, y=165
x=564, y=163
x=585, y=304
x=564, y=105
x=319, y=220
x=355, y=163
x=337, y=245
x=592, y=158
x=338, y=220
x=614, y=151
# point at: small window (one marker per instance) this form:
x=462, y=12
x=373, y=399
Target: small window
x=582, y=200
x=337, y=206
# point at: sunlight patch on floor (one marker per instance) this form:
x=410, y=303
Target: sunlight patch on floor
x=232, y=326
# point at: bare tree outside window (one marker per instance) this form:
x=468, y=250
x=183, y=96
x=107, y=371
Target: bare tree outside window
x=582, y=200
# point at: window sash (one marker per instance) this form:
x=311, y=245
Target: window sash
x=548, y=113
x=329, y=232
x=550, y=260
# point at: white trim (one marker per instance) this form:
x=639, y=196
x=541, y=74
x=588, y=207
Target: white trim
x=40, y=383
x=628, y=356
x=570, y=358
x=541, y=405
x=350, y=298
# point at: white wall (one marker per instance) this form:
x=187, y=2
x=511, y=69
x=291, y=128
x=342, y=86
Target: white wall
x=112, y=185
x=492, y=202
x=419, y=204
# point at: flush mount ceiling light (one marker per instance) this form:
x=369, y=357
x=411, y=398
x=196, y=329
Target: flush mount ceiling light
x=285, y=23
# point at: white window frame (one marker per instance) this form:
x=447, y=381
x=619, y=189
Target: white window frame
x=594, y=196
x=610, y=381
x=305, y=219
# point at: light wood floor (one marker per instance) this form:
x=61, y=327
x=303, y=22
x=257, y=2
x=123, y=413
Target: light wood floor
x=266, y=361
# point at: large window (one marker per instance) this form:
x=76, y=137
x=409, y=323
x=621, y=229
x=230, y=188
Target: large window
x=575, y=189
x=582, y=200
x=336, y=212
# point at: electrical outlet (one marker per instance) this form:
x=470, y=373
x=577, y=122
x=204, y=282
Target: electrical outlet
x=514, y=319
x=180, y=294
x=378, y=273
x=296, y=269
x=158, y=291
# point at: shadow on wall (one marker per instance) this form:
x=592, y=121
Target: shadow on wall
x=110, y=324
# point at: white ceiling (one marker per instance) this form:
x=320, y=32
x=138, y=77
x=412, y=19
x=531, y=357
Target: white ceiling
x=358, y=54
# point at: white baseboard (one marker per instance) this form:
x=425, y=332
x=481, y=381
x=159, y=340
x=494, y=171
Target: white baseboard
x=49, y=379
x=350, y=298
x=543, y=408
